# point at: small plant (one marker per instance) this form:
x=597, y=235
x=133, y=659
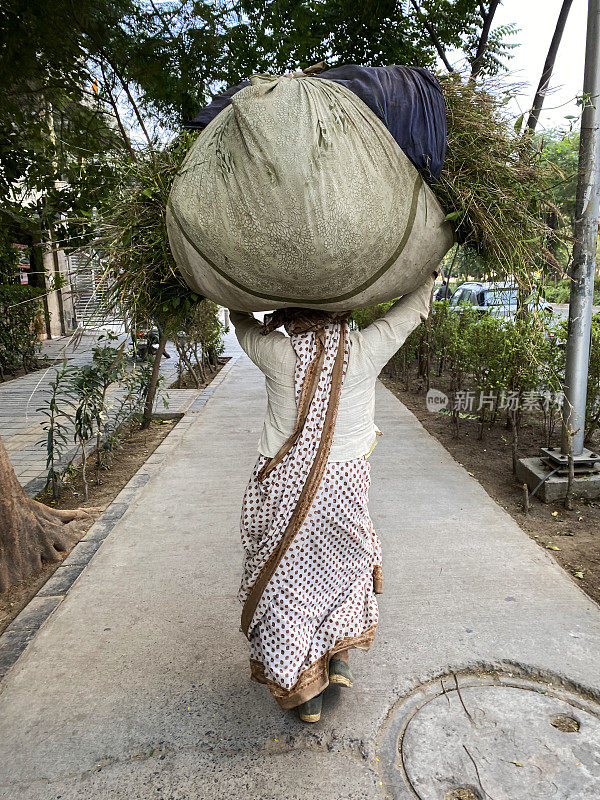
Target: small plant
x=58, y=416
x=593, y=387
x=129, y=406
x=109, y=368
x=199, y=340
x=87, y=393
x=557, y=359
x=94, y=401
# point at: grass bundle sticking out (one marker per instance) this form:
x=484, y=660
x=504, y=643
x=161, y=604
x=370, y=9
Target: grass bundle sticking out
x=140, y=275
x=494, y=185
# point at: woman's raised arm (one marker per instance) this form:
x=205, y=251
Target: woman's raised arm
x=385, y=336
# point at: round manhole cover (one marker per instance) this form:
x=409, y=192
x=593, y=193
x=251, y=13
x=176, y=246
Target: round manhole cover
x=501, y=742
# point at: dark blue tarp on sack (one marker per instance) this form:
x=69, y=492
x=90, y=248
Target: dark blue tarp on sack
x=408, y=100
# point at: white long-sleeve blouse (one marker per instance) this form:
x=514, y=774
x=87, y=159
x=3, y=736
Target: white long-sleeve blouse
x=370, y=350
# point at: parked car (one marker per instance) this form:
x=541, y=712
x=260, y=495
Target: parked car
x=498, y=299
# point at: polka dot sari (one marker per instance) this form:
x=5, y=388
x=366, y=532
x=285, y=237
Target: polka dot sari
x=312, y=559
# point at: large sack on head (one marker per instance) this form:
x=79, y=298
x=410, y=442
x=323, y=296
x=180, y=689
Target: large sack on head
x=408, y=100
x=297, y=195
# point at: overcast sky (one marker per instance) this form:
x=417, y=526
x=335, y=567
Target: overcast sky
x=536, y=20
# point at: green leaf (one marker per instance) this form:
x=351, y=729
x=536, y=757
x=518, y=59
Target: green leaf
x=452, y=216
x=519, y=123
x=578, y=575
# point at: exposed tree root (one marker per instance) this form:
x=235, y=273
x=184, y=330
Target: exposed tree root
x=32, y=534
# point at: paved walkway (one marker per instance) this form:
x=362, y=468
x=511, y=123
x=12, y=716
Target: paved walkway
x=21, y=421
x=137, y=686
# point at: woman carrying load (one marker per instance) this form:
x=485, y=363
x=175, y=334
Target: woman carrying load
x=312, y=559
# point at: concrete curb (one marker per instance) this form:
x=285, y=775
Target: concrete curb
x=23, y=628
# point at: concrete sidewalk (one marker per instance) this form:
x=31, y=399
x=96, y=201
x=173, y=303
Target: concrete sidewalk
x=138, y=685
x=21, y=401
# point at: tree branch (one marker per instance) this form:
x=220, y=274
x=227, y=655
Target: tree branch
x=487, y=16
x=132, y=102
x=165, y=25
x=540, y=95
x=432, y=35
x=113, y=103
x=121, y=78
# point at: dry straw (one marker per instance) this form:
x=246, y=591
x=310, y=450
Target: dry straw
x=141, y=276
x=495, y=184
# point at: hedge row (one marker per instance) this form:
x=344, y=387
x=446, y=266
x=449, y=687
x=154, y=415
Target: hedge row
x=492, y=355
x=20, y=325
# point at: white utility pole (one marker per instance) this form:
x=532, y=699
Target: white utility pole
x=584, y=249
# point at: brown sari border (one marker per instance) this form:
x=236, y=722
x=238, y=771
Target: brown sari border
x=309, y=388
x=316, y=677
x=309, y=490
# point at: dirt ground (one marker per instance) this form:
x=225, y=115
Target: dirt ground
x=572, y=537
x=136, y=447
x=187, y=381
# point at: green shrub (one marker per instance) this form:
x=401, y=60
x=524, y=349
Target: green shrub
x=487, y=356
x=592, y=411
x=363, y=317
x=79, y=409
x=57, y=412
x=20, y=325
x=560, y=292
x=593, y=386
x=199, y=340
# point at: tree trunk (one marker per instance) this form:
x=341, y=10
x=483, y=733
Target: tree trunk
x=512, y=418
x=540, y=95
x=427, y=338
x=188, y=362
x=200, y=362
x=31, y=534
x=153, y=382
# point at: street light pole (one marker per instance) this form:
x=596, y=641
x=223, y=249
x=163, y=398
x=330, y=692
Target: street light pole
x=584, y=249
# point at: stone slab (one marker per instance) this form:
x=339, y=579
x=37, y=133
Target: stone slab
x=61, y=581
x=532, y=470
x=99, y=530
x=501, y=741
x=35, y=613
x=12, y=644
x=82, y=553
